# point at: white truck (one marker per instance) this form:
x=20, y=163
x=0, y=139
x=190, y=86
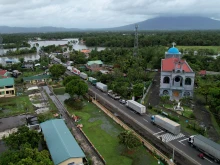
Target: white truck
x=76, y=71
x=102, y=87
x=137, y=107
x=83, y=75
x=205, y=145
x=70, y=68
x=166, y=124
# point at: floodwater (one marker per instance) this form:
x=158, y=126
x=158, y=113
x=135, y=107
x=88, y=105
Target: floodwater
x=35, y=56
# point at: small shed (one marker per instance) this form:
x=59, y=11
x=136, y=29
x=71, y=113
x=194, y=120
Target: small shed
x=64, y=149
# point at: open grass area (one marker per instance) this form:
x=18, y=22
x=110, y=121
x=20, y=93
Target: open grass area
x=59, y=91
x=215, y=48
x=103, y=132
x=15, y=105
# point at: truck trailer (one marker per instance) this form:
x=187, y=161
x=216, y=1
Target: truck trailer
x=102, y=87
x=70, y=68
x=92, y=80
x=137, y=107
x=76, y=71
x=166, y=124
x=205, y=145
x=83, y=75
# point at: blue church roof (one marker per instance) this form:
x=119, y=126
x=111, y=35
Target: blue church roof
x=173, y=50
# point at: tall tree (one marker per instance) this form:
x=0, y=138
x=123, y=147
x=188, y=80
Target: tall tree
x=76, y=87
x=22, y=136
x=128, y=139
x=57, y=70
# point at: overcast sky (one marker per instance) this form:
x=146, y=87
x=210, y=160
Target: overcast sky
x=98, y=13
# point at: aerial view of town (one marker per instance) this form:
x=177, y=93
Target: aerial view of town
x=110, y=82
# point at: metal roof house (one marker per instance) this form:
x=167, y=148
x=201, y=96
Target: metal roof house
x=94, y=65
x=37, y=79
x=64, y=149
x=7, y=88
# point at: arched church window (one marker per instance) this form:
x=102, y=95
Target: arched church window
x=177, y=79
x=166, y=80
x=188, y=81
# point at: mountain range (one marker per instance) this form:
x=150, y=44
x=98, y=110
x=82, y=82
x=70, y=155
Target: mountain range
x=159, y=23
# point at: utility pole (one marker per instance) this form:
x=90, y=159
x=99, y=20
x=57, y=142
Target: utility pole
x=135, y=52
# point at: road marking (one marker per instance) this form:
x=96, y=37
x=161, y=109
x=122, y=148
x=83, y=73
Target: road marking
x=208, y=159
x=157, y=133
x=169, y=137
x=182, y=143
x=183, y=139
x=145, y=120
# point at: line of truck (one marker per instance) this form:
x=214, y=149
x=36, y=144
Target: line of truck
x=200, y=142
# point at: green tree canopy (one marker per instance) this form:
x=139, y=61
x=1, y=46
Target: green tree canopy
x=69, y=78
x=22, y=136
x=138, y=89
x=128, y=139
x=76, y=87
x=57, y=70
x=25, y=156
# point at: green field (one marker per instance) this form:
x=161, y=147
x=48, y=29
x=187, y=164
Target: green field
x=215, y=48
x=15, y=105
x=103, y=131
x=59, y=91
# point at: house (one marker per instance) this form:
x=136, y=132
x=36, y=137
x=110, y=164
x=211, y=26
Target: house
x=28, y=65
x=37, y=79
x=66, y=55
x=63, y=148
x=94, y=65
x=7, y=88
x=177, y=78
x=86, y=52
x=3, y=73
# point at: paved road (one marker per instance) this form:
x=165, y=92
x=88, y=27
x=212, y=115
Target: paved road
x=77, y=134
x=179, y=142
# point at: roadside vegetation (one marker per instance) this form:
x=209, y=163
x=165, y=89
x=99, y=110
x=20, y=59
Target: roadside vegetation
x=103, y=133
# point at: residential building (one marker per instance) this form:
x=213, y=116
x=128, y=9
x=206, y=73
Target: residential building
x=7, y=88
x=94, y=65
x=3, y=73
x=28, y=65
x=63, y=148
x=37, y=79
x=177, y=78
x=86, y=52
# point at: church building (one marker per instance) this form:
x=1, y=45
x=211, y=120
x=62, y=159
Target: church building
x=177, y=78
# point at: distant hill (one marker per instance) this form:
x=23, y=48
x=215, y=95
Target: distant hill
x=159, y=23
x=7, y=29
x=174, y=23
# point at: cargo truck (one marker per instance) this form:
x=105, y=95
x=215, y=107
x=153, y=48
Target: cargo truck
x=92, y=80
x=83, y=75
x=166, y=124
x=76, y=71
x=137, y=107
x=205, y=145
x=102, y=87
x=70, y=68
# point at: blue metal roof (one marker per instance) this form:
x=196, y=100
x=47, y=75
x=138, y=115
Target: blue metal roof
x=61, y=143
x=173, y=50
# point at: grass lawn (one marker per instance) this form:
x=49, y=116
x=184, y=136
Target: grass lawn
x=31, y=73
x=103, y=131
x=215, y=48
x=15, y=105
x=59, y=91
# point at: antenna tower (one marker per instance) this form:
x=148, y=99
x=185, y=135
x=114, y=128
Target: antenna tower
x=135, y=53
x=1, y=46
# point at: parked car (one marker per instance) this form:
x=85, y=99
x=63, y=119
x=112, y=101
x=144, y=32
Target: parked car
x=122, y=101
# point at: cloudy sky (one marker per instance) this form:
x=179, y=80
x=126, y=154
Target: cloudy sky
x=98, y=13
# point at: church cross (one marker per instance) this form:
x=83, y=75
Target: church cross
x=173, y=44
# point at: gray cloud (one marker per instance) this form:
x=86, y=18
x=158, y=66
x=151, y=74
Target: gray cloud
x=98, y=13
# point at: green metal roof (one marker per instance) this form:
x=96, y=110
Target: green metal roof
x=39, y=77
x=94, y=62
x=6, y=82
x=61, y=143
